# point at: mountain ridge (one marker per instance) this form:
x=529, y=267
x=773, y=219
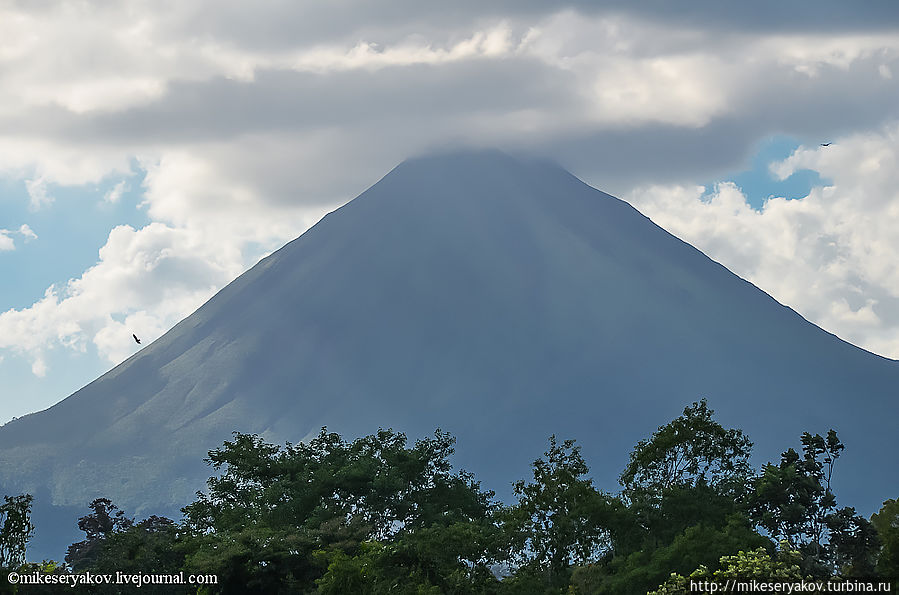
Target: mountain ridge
x=500, y=299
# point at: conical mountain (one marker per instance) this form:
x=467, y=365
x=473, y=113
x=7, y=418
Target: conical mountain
x=497, y=298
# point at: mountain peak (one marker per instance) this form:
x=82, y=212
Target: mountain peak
x=493, y=296
x=466, y=174
x=489, y=161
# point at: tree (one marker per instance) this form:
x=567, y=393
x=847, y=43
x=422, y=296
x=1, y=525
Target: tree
x=792, y=500
x=15, y=530
x=281, y=518
x=690, y=471
x=886, y=522
x=151, y=545
x=105, y=520
x=754, y=564
x=854, y=544
x=559, y=517
x=681, y=506
x=691, y=450
x=423, y=562
x=700, y=545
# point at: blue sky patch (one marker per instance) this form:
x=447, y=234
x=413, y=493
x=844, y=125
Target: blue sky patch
x=757, y=182
x=70, y=232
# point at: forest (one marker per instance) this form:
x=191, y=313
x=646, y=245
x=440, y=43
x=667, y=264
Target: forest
x=380, y=515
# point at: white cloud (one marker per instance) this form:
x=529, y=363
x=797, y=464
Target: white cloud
x=812, y=54
x=133, y=56
x=833, y=255
x=496, y=41
x=115, y=56
x=42, y=161
x=39, y=367
x=152, y=276
x=229, y=197
x=115, y=193
x=630, y=72
x=27, y=232
x=6, y=240
x=208, y=230
x=37, y=193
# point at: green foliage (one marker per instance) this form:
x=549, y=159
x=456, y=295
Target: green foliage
x=886, y=523
x=793, y=501
x=351, y=574
x=559, y=518
x=45, y=567
x=853, y=545
x=681, y=506
x=756, y=563
x=691, y=450
x=400, y=567
x=280, y=518
x=376, y=516
x=151, y=545
x=698, y=545
x=105, y=519
x=115, y=543
x=15, y=530
x=655, y=523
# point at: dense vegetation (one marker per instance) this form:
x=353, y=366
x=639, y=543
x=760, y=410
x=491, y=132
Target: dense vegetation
x=376, y=515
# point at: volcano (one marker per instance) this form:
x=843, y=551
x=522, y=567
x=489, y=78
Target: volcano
x=498, y=298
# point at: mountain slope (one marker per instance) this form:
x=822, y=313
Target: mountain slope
x=502, y=300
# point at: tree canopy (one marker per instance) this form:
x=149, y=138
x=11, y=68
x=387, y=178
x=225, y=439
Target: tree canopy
x=378, y=515
x=691, y=450
x=15, y=530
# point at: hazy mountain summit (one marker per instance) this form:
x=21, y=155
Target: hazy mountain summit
x=497, y=298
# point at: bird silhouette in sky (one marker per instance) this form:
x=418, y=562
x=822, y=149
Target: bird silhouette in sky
x=135, y=338
x=826, y=144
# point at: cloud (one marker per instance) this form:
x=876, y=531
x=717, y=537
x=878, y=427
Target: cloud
x=37, y=193
x=150, y=276
x=42, y=161
x=251, y=121
x=27, y=232
x=833, y=255
x=6, y=240
x=147, y=279
x=114, y=57
x=568, y=83
x=813, y=54
x=115, y=193
x=39, y=367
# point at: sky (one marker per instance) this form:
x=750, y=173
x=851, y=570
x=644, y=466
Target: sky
x=153, y=150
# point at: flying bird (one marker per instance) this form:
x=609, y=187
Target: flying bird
x=826, y=144
x=135, y=338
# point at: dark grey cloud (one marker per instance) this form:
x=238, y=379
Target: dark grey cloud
x=530, y=100
x=281, y=101
x=282, y=23
x=811, y=110
x=764, y=15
